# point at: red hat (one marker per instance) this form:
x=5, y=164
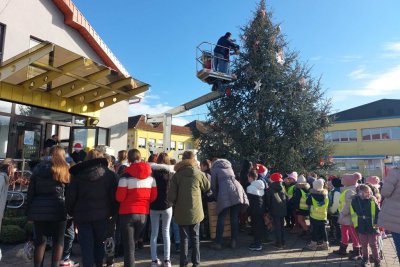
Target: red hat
x=261, y=169
x=276, y=177
x=77, y=145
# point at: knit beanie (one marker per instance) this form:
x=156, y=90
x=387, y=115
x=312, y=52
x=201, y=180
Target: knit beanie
x=336, y=182
x=301, y=180
x=349, y=179
x=293, y=175
x=318, y=184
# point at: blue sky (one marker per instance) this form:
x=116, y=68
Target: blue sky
x=353, y=45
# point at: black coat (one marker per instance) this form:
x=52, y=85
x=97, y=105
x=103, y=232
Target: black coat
x=46, y=197
x=363, y=208
x=78, y=156
x=91, y=194
x=163, y=174
x=276, y=200
x=223, y=46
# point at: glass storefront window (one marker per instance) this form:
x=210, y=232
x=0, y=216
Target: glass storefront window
x=4, y=128
x=41, y=113
x=5, y=106
x=102, y=138
x=86, y=137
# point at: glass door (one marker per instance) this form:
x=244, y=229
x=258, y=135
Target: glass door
x=28, y=136
x=89, y=137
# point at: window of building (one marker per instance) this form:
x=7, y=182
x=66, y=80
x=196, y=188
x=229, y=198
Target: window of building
x=2, y=38
x=160, y=143
x=4, y=128
x=189, y=145
x=142, y=142
x=387, y=133
x=173, y=145
x=181, y=146
x=5, y=106
x=341, y=136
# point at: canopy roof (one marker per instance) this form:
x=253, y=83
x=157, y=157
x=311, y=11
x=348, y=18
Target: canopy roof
x=49, y=75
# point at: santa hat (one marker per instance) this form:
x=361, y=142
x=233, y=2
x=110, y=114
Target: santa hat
x=78, y=146
x=318, y=184
x=374, y=181
x=261, y=169
x=301, y=179
x=293, y=175
x=276, y=177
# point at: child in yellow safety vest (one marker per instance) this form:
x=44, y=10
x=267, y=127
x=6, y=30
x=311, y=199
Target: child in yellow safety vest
x=348, y=191
x=290, y=185
x=298, y=202
x=364, y=211
x=318, y=202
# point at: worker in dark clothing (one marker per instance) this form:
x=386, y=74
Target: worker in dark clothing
x=79, y=154
x=51, y=141
x=221, y=52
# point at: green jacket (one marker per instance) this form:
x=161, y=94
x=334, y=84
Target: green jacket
x=185, y=190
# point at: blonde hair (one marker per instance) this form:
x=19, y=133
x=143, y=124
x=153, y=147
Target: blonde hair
x=94, y=154
x=122, y=155
x=59, y=166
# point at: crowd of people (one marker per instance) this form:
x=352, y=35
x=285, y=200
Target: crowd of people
x=112, y=205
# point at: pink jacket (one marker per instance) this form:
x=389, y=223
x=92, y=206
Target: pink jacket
x=389, y=216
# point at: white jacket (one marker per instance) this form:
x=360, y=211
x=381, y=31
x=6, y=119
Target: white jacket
x=257, y=188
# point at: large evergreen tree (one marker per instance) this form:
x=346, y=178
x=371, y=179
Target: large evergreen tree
x=276, y=113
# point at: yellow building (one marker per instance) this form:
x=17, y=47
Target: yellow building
x=147, y=138
x=366, y=138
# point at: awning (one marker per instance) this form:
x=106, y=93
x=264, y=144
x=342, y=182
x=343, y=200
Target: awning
x=51, y=76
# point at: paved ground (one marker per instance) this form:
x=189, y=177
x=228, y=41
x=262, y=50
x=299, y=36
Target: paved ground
x=293, y=255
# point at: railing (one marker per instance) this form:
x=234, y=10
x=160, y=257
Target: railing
x=205, y=58
x=15, y=200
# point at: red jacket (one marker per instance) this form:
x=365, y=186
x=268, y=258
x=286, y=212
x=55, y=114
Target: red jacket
x=136, y=189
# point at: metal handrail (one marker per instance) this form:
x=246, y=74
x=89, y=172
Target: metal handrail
x=200, y=52
x=10, y=198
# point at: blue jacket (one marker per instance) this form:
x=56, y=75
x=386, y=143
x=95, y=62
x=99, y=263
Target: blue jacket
x=223, y=46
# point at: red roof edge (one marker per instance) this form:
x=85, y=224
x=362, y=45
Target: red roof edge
x=75, y=19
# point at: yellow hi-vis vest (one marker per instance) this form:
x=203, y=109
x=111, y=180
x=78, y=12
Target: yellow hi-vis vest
x=342, y=200
x=319, y=212
x=303, y=199
x=355, y=216
x=290, y=191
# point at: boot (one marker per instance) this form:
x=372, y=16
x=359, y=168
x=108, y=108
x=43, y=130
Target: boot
x=364, y=262
x=324, y=246
x=311, y=246
x=355, y=255
x=342, y=250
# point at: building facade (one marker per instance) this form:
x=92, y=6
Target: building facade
x=366, y=138
x=57, y=76
x=148, y=139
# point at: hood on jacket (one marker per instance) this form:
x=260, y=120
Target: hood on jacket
x=323, y=192
x=162, y=167
x=186, y=163
x=222, y=164
x=305, y=186
x=139, y=170
x=256, y=188
x=91, y=169
x=277, y=186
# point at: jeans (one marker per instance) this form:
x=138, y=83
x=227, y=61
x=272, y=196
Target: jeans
x=318, y=230
x=234, y=214
x=278, y=224
x=91, y=237
x=68, y=240
x=348, y=230
x=396, y=240
x=220, y=63
x=131, y=227
x=166, y=216
x=175, y=232
x=257, y=226
x=372, y=241
x=191, y=232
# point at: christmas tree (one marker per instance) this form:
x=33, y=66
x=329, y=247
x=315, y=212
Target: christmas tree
x=276, y=113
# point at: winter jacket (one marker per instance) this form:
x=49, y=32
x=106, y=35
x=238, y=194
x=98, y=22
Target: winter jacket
x=136, y=189
x=46, y=196
x=389, y=217
x=362, y=207
x=319, y=196
x=344, y=214
x=185, y=190
x=4, y=183
x=255, y=193
x=295, y=200
x=229, y=192
x=334, y=196
x=78, y=156
x=276, y=200
x=91, y=193
x=162, y=174
x=223, y=46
